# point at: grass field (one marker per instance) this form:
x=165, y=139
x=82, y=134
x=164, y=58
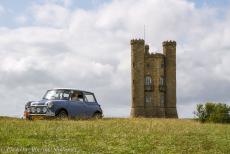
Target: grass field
x=113, y=136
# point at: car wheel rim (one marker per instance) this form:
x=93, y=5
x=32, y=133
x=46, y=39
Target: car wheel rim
x=62, y=115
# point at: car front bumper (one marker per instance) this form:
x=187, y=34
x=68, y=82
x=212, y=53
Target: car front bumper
x=30, y=116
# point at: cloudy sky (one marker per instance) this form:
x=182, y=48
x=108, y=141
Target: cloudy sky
x=85, y=44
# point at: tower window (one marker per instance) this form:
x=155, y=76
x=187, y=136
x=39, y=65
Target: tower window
x=148, y=98
x=161, y=80
x=148, y=80
x=148, y=83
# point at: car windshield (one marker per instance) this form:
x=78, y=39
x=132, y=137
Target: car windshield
x=57, y=94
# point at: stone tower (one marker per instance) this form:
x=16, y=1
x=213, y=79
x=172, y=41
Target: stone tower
x=153, y=80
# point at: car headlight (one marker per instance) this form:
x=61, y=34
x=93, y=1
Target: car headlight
x=44, y=109
x=38, y=110
x=33, y=110
x=50, y=104
x=27, y=109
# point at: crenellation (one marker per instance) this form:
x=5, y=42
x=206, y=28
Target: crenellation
x=137, y=41
x=169, y=43
x=155, y=55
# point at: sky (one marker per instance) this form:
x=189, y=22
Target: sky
x=85, y=44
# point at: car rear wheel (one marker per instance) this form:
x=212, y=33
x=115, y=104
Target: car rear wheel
x=97, y=115
x=62, y=115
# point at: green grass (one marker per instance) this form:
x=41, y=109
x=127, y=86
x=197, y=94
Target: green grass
x=113, y=136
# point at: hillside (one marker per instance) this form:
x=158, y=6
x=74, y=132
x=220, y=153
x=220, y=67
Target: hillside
x=113, y=136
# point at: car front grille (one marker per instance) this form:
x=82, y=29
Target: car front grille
x=38, y=109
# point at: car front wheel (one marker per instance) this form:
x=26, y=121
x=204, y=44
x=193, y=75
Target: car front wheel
x=62, y=115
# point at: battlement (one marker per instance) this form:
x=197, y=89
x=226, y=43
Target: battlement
x=169, y=43
x=154, y=55
x=137, y=41
x=157, y=55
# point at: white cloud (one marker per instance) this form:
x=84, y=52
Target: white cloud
x=51, y=14
x=2, y=10
x=21, y=19
x=90, y=50
x=65, y=3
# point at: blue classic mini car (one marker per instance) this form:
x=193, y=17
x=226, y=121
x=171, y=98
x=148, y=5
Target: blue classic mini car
x=64, y=103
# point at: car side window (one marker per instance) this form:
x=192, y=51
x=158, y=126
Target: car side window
x=65, y=95
x=90, y=98
x=77, y=96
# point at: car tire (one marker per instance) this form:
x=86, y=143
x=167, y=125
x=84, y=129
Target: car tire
x=62, y=115
x=97, y=115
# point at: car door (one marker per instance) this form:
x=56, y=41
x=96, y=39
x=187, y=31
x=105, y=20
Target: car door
x=91, y=104
x=77, y=108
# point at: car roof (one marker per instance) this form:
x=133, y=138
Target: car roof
x=71, y=89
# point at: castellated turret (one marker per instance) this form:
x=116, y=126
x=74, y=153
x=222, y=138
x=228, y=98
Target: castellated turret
x=153, y=80
x=138, y=60
x=169, y=50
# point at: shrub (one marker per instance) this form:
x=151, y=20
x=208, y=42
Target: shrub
x=213, y=112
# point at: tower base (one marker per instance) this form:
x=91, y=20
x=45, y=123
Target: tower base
x=137, y=112
x=171, y=112
x=155, y=112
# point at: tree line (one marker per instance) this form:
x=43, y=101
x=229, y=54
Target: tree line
x=213, y=112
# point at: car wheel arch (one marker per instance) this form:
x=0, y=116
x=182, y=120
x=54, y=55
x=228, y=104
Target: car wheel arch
x=97, y=112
